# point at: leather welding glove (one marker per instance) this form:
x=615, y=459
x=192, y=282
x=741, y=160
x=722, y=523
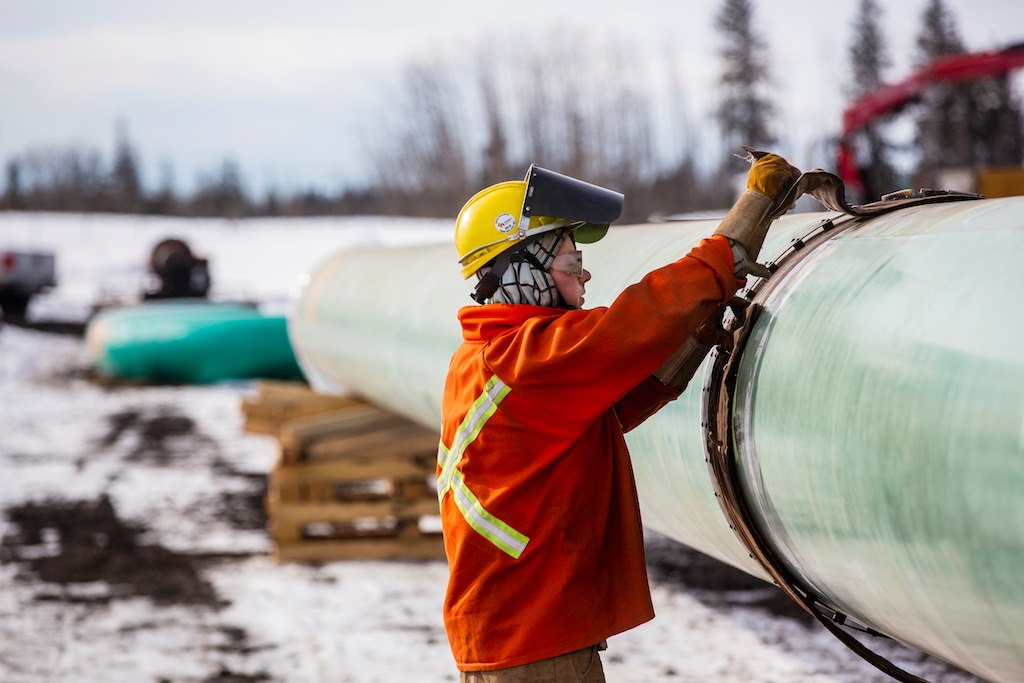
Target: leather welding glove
x=747, y=222
x=680, y=368
x=682, y=365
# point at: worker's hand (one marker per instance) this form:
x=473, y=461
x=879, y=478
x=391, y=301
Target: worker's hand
x=747, y=221
x=771, y=175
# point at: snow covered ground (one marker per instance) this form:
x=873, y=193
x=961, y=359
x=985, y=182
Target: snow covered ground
x=131, y=531
x=103, y=257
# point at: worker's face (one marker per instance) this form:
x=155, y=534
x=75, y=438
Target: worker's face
x=569, y=275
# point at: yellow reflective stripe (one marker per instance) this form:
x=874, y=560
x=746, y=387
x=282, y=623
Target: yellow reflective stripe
x=487, y=525
x=504, y=537
x=476, y=417
x=442, y=460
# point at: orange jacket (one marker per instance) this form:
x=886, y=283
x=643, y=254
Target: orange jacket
x=538, y=503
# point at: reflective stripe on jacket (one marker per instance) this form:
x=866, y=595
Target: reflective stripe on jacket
x=538, y=503
x=504, y=537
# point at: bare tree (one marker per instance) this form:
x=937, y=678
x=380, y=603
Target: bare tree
x=559, y=108
x=496, y=163
x=585, y=115
x=626, y=113
x=546, y=90
x=678, y=187
x=64, y=179
x=432, y=152
x=560, y=105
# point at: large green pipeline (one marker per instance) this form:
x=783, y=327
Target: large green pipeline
x=879, y=408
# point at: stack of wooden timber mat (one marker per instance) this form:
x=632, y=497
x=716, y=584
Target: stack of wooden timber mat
x=351, y=480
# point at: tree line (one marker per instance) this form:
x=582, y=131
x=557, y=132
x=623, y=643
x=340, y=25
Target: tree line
x=455, y=128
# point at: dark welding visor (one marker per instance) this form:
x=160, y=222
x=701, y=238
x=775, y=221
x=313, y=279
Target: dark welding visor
x=558, y=196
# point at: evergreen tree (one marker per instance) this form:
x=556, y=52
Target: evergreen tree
x=939, y=35
x=165, y=199
x=869, y=59
x=996, y=124
x=230, y=199
x=744, y=111
x=125, y=181
x=971, y=124
x=942, y=126
x=13, y=194
x=222, y=194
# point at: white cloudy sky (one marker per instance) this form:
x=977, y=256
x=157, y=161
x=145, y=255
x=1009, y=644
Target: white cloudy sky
x=290, y=90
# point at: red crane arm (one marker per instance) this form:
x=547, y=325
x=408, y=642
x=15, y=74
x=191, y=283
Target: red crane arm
x=888, y=98
x=953, y=69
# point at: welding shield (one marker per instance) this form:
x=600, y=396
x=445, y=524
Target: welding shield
x=553, y=194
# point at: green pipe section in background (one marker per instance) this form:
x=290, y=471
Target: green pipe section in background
x=184, y=341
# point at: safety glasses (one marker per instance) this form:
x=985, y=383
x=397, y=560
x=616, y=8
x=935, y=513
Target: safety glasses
x=571, y=262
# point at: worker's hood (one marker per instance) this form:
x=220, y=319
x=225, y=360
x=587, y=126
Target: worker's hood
x=480, y=323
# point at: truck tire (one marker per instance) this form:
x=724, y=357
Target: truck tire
x=14, y=304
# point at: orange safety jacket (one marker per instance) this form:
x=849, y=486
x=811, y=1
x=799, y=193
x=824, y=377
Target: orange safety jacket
x=538, y=503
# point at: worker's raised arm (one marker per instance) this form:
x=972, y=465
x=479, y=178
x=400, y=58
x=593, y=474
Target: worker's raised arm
x=538, y=340
x=747, y=222
x=745, y=226
x=584, y=361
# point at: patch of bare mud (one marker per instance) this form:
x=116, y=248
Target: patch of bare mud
x=73, y=544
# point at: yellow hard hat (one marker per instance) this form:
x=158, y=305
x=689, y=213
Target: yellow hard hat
x=502, y=216
x=489, y=224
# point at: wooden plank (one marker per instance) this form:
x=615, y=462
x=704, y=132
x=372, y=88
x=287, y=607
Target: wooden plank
x=302, y=514
x=279, y=389
x=297, y=434
x=291, y=522
x=351, y=479
x=259, y=425
x=274, y=412
x=403, y=490
x=278, y=402
x=408, y=438
x=279, y=393
x=426, y=547
x=273, y=502
x=282, y=491
x=321, y=491
x=413, y=489
x=353, y=469
x=365, y=489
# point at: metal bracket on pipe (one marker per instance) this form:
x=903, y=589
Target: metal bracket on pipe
x=830, y=192
x=722, y=457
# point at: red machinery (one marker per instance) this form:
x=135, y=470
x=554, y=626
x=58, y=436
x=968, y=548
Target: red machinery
x=890, y=98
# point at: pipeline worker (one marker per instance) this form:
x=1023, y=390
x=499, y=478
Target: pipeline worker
x=539, y=508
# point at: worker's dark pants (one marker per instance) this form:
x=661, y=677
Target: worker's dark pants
x=582, y=666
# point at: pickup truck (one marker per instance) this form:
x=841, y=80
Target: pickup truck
x=23, y=274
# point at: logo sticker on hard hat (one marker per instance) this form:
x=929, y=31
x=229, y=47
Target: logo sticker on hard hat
x=506, y=222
